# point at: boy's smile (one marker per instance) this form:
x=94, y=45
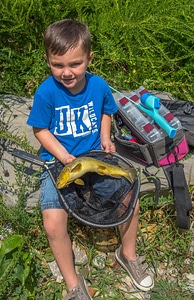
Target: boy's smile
x=69, y=69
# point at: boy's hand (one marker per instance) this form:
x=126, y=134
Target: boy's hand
x=108, y=146
x=106, y=143
x=68, y=159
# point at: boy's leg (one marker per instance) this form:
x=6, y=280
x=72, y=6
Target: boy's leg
x=128, y=234
x=55, y=224
x=126, y=254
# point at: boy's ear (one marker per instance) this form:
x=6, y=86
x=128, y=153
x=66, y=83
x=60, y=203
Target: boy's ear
x=90, y=57
x=46, y=57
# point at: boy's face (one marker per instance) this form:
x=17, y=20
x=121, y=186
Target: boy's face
x=69, y=69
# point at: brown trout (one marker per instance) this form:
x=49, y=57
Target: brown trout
x=82, y=165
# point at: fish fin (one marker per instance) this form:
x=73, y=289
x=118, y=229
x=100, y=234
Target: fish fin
x=115, y=176
x=79, y=181
x=77, y=168
x=100, y=170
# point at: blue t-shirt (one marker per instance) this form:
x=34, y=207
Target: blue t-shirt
x=73, y=119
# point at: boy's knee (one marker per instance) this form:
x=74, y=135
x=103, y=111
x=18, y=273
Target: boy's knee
x=55, y=225
x=54, y=232
x=50, y=228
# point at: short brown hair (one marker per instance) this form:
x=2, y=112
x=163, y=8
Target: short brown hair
x=66, y=34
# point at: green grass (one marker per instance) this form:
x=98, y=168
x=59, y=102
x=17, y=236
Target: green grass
x=24, y=252
x=28, y=276
x=135, y=42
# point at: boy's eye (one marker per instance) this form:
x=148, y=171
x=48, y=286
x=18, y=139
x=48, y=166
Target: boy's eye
x=72, y=65
x=58, y=66
x=76, y=64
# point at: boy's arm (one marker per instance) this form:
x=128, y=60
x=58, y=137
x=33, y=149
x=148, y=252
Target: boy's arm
x=106, y=143
x=52, y=145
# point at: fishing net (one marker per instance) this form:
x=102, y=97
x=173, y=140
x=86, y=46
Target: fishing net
x=103, y=201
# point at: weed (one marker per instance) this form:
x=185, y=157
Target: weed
x=169, y=290
x=135, y=42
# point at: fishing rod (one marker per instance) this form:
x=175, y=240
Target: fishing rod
x=150, y=106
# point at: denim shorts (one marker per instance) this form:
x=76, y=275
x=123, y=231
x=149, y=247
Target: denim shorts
x=104, y=187
x=49, y=197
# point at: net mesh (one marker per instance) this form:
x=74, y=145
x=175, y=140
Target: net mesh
x=104, y=210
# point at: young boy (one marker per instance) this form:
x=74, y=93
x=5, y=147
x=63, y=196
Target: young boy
x=71, y=115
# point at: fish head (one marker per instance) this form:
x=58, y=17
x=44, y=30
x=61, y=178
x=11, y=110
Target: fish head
x=63, y=178
x=69, y=174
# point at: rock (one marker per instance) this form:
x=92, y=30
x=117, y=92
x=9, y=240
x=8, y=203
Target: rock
x=15, y=120
x=104, y=239
x=80, y=259
x=190, y=277
x=17, y=116
x=55, y=271
x=99, y=261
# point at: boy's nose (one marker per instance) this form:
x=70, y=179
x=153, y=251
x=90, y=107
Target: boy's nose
x=66, y=72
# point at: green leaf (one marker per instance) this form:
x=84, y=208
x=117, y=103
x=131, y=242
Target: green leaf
x=22, y=273
x=5, y=266
x=10, y=243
